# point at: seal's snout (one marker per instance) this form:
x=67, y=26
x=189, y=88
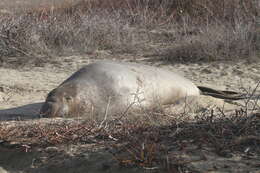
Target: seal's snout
x=48, y=109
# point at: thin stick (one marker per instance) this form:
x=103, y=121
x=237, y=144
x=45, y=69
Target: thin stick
x=106, y=112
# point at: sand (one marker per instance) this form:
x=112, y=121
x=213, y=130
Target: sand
x=23, y=90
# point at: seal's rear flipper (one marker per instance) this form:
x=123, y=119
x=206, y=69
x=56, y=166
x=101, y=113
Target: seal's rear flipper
x=231, y=95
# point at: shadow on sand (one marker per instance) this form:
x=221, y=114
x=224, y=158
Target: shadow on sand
x=30, y=111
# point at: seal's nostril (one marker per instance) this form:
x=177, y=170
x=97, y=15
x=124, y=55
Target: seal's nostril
x=46, y=109
x=51, y=99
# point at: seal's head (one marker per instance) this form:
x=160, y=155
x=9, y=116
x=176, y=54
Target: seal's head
x=60, y=102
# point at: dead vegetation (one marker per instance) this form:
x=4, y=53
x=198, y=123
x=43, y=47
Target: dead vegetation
x=143, y=145
x=144, y=142
x=178, y=30
x=205, y=30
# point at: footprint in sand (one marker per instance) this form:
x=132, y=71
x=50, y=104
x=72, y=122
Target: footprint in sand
x=238, y=72
x=206, y=70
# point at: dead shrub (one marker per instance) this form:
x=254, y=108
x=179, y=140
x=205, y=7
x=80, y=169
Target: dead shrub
x=204, y=29
x=212, y=43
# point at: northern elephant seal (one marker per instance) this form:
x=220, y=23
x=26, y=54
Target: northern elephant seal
x=113, y=87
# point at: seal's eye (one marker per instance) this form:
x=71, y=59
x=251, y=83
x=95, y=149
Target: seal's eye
x=68, y=98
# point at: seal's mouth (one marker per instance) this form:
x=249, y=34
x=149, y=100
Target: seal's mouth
x=49, y=109
x=54, y=109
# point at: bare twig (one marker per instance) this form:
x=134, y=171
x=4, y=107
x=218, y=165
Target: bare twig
x=106, y=112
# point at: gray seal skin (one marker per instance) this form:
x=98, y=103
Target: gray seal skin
x=114, y=87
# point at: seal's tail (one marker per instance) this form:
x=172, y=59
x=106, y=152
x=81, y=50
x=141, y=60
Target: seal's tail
x=230, y=95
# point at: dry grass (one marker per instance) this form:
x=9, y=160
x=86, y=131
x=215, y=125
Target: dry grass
x=215, y=42
x=193, y=30
x=154, y=140
x=140, y=144
x=197, y=30
x=149, y=147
